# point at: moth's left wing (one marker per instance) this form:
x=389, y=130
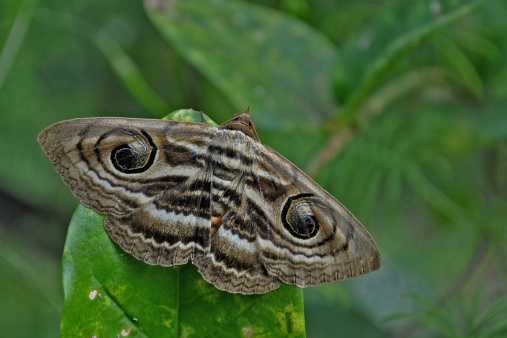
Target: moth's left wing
x=280, y=226
x=306, y=236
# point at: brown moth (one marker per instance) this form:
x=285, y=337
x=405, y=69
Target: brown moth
x=173, y=191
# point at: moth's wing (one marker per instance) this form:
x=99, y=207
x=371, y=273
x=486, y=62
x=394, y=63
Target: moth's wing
x=173, y=228
x=233, y=262
x=305, y=235
x=148, y=176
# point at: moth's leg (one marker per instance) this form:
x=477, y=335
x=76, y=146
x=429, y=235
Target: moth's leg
x=216, y=223
x=218, y=210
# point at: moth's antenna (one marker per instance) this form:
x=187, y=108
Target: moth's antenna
x=255, y=131
x=233, y=118
x=253, y=124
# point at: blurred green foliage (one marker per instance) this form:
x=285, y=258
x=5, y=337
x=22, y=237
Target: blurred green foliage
x=395, y=107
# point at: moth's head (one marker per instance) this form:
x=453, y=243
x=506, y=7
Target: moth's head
x=242, y=122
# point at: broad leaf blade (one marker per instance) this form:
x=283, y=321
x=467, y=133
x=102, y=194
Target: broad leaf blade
x=107, y=291
x=258, y=57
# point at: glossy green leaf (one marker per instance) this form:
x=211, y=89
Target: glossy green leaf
x=258, y=57
x=109, y=293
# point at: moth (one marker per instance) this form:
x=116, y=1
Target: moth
x=176, y=191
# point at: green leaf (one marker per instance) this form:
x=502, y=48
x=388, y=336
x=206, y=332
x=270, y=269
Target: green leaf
x=189, y=115
x=110, y=293
x=461, y=64
x=258, y=57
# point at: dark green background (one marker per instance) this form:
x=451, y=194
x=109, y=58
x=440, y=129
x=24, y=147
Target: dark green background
x=420, y=87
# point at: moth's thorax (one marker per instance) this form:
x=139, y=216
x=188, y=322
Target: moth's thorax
x=233, y=149
x=242, y=122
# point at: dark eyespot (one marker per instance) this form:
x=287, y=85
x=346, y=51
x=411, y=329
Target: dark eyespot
x=135, y=157
x=298, y=216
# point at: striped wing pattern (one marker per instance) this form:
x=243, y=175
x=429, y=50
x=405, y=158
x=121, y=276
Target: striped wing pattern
x=176, y=191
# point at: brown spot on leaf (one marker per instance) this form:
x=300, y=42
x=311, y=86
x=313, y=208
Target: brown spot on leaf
x=247, y=331
x=126, y=332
